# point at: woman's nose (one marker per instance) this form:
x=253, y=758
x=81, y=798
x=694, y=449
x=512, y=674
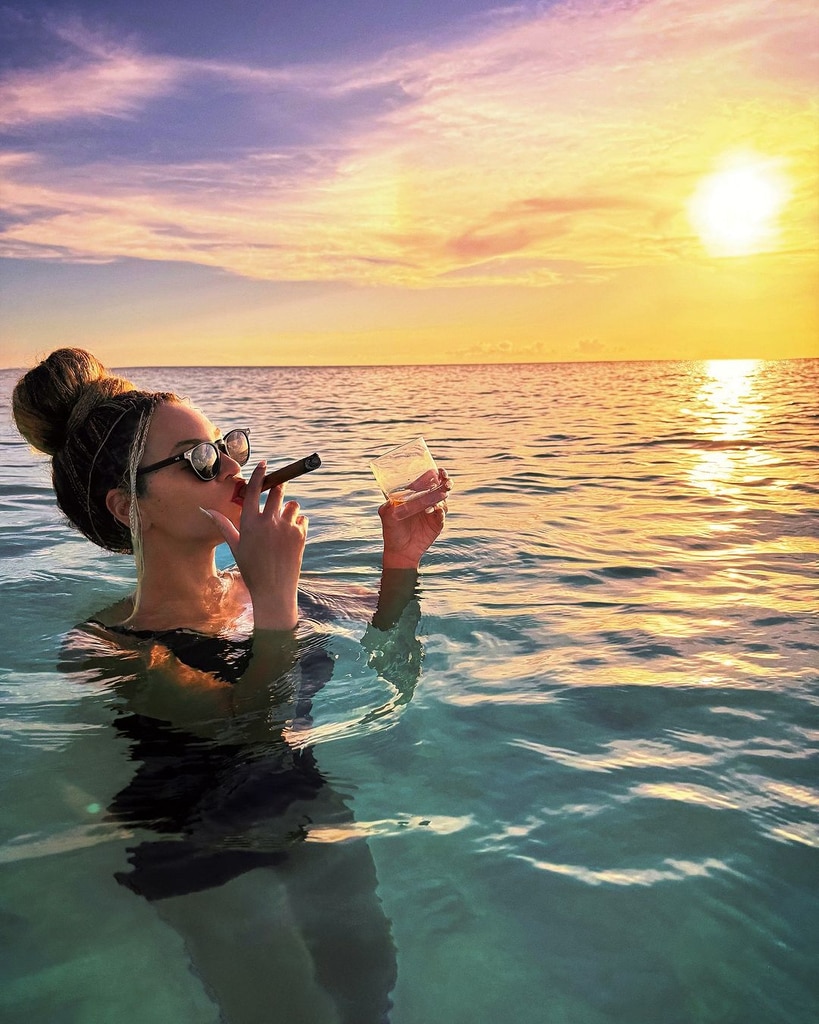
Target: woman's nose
x=230, y=467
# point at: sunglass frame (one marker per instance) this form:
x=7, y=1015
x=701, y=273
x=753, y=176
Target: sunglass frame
x=219, y=446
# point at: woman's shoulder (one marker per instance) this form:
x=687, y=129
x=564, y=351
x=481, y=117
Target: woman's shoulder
x=114, y=614
x=92, y=652
x=99, y=636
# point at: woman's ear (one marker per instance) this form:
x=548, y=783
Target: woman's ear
x=118, y=504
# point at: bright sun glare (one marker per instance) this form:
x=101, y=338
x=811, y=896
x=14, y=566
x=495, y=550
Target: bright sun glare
x=735, y=210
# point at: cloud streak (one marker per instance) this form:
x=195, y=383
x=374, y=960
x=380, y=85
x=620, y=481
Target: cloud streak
x=568, y=140
x=99, y=80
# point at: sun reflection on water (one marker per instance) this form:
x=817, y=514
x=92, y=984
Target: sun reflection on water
x=729, y=416
x=727, y=396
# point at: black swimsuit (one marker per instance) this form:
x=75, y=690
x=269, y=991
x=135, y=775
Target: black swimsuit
x=221, y=808
x=222, y=656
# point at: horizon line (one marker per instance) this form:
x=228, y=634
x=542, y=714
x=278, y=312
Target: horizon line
x=387, y=366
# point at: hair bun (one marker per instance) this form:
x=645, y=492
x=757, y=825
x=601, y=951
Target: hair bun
x=59, y=393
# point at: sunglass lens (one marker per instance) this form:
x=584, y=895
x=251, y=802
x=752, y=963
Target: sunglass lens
x=237, y=444
x=205, y=461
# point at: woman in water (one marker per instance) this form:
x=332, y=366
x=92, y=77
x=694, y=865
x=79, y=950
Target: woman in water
x=209, y=669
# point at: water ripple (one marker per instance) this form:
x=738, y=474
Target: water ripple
x=673, y=871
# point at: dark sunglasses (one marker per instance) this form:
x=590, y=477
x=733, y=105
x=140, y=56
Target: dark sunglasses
x=205, y=458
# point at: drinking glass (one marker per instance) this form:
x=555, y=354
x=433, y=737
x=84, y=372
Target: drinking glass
x=408, y=478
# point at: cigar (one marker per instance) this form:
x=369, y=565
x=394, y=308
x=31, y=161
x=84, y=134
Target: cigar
x=279, y=476
x=291, y=471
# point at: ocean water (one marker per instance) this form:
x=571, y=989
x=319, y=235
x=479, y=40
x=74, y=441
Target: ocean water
x=591, y=798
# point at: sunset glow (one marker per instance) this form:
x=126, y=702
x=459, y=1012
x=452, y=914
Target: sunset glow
x=539, y=182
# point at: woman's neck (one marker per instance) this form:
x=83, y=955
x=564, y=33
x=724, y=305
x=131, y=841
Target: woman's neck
x=184, y=592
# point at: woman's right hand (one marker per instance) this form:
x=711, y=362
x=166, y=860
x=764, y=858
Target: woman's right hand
x=268, y=548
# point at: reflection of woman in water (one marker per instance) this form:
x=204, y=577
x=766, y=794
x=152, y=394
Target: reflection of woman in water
x=210, y=667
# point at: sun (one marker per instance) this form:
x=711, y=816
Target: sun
x=735, y=210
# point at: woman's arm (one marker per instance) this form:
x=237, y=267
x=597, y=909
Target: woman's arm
x=405, y=543
x=398, y=588
x=395, y=652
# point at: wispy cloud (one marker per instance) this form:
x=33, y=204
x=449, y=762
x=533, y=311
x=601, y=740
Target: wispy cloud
x=99, y=79
x=567, y=140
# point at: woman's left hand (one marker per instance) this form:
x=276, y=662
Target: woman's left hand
x=406, y=540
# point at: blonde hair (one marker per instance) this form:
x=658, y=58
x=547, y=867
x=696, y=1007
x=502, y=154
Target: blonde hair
x=134, y=520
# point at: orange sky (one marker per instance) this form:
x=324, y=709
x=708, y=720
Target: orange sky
x=526, y=190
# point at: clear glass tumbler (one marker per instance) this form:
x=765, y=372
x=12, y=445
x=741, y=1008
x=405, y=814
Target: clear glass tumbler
x=408, y=478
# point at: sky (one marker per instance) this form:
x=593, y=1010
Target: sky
x=342, y=182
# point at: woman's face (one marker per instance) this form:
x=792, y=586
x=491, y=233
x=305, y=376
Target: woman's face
x=174, y=494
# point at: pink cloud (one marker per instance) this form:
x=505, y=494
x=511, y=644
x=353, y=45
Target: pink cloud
x=112, y=85
x=526, y=222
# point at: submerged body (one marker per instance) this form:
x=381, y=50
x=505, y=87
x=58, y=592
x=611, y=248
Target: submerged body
x=222, y=812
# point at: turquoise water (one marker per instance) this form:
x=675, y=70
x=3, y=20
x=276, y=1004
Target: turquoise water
x=596, y=803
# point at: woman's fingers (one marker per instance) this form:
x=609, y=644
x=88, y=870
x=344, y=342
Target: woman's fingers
x=290, y=511
x=273, y=504
x=224, y=526
x=274, y=507
x=253, y=491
